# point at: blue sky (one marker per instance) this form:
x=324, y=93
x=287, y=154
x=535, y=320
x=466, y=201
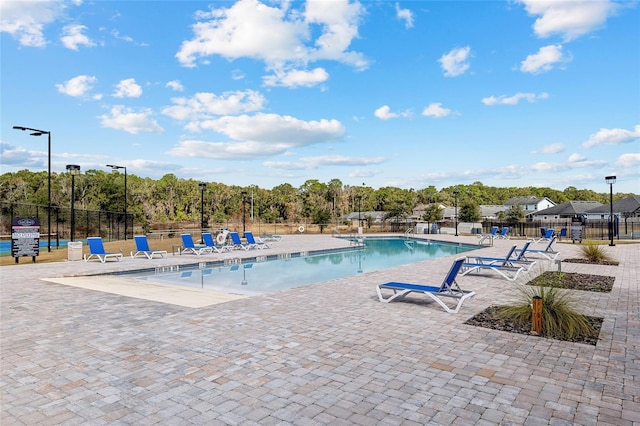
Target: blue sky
x=407, y=94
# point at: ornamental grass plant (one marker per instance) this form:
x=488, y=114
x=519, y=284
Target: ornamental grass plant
x=560, y=319
x=595, y=253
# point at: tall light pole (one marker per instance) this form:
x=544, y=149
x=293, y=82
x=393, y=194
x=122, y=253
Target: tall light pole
x=244, y=200
x=455, y=195
x=610, y=180
x=73, y=169
x=202, y=186
x=37, y=132
x=114, y=167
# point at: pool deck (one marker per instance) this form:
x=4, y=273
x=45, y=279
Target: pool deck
x=78, y=349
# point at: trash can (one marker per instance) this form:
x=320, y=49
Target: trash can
x=434, y=228
x=74, y=250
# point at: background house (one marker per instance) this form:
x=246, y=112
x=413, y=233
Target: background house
x=625, y=208
x=565, y=210
x=529, y=204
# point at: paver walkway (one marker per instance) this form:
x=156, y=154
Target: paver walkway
x=329, y=353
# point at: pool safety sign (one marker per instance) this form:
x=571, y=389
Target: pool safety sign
x=25, y=238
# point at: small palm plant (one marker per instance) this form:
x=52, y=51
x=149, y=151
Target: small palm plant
x=559, y=318
x=595, y=253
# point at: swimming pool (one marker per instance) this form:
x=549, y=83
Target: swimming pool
x=259, y=275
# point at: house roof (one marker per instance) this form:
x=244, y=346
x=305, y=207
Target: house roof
x=570, y=208
x=519, y=201
x=626, y=205
x=491, y=210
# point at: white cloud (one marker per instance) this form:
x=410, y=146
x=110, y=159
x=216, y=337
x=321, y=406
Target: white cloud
x=544, y=60
x=260, y=135
x=310, y=163
x=575, y=158
x=273, y=128
x=435, y=110
x=571, y=19
x=612, y=137
x=628, y=160
x=278, y=36
x=553, y=148
x=207, y=105
x=296, y=78
x=128, y=89
x=515, y=99
x=384, y=113
x=404, y=15
x=175, y=85
x=25, y=20
x=122, y=118
x=455, y=62
x=77, y=86
x=72, y=37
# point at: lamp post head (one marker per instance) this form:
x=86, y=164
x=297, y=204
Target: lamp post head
x=114, y=167
x=202, y=185
x=73, y=169
x=610, y=180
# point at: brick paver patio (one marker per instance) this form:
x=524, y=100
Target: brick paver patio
x=328, y=353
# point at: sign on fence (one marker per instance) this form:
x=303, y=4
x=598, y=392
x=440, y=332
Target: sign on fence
x=25, y=238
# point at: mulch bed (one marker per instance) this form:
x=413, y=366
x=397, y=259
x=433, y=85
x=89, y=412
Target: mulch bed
x=602, y=262
x=575, y=281
x=568, y=280
x=490, y=319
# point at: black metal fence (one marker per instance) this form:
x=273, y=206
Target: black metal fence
x=628, y=229
x=88, y=223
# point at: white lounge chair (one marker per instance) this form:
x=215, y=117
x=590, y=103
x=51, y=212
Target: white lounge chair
x=96, y=249
x=502, y=266
x=188, y=246
x=142, y=248
x=449, y=288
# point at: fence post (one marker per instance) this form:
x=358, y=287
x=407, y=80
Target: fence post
x=536, y=315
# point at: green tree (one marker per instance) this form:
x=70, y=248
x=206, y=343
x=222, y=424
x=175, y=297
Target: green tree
x=514, y=215
x=433, y=213
x=469, y=212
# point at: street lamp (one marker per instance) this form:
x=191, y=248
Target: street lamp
x=455, y=195
x=73, y=169
x=244, y=199
x=610, y=180
x=114, y=167
x=37, y=132
x=202, y=186
x=359, y=219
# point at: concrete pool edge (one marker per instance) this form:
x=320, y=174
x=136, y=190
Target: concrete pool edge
x=146, y=290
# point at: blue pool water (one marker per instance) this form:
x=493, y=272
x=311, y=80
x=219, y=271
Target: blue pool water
x=258, y=277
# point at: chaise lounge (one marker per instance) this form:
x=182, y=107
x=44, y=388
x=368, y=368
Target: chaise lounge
x=449, y=288
x=142, y=248
x=96, y=249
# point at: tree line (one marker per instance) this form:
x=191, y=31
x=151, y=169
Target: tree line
x=171, y=199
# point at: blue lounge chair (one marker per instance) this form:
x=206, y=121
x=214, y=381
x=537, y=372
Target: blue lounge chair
x=548, y=234
x=548, y=252
x=236, y=243
x=501, y=266
x=96, y=249
x=448, y=288
x=208, y=241
x=491, y=235
x=271, y=237
x=142, y=248
x=188, y=246
x=515, y=257
x=504, y=233
x=255, y=241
